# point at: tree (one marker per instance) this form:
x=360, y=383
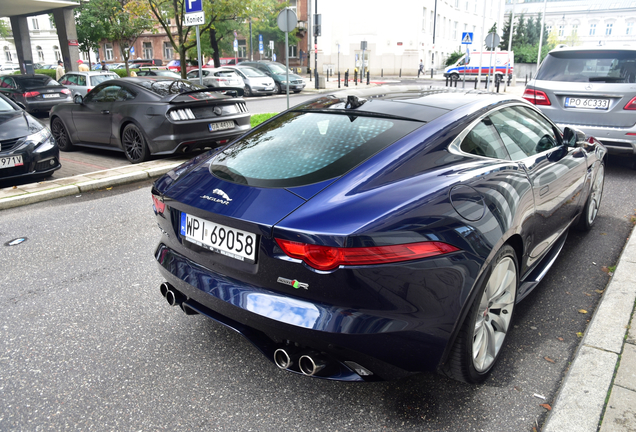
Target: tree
x=520, y=37
x=503, y=45
x=5, y=28
x=90, y=30
x=268, y=27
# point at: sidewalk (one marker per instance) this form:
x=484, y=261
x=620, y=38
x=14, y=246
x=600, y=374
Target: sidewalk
x=600, y=384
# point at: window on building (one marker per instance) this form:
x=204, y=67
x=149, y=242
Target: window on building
x=592, y=29
x=58, y=53
x=168, y=51
x=608, y=29
x=7, y=54
x=630, y=28
x=455, y=28
x=457, y=4
x=548, y=28
x=467, y=5
x=147, y=47
x=424, y=20
x=575, y=29
x=430, y=28
x=242, y=49
x=293, y=5
x=293, y=51
x=561, y=30
x=108, y=51
x=35, y=24
x=40, y=53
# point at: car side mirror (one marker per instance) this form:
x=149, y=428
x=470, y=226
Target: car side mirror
x=573, y=137
x=78, y=99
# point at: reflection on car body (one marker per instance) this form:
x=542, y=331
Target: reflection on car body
x=392, y=230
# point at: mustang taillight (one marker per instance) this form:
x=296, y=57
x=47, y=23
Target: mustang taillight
x=182, y=114
x=631, y=105
x=536, y=97
x=158, y=204
x=31, y=94
x=328, y=258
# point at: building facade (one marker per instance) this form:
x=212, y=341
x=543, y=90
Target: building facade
x=44, y=42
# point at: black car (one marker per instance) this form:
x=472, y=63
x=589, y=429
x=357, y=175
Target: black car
x=38, y=93
x=278, y=72
x=146, y=116
x=27, y=148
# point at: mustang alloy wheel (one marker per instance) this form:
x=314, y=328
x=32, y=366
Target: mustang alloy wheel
x=61, y=135
x=484, y=331
x=134, y=144
x=590, y=211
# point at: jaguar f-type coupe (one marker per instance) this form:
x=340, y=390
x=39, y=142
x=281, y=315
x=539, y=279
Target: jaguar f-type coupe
x=376, y=233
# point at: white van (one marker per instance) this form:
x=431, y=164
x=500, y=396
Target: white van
x=500, y=60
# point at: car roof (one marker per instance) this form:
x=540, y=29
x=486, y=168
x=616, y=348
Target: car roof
x=431, y=102
x=604, y=48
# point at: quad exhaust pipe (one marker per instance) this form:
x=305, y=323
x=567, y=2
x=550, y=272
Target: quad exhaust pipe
x=172, y=296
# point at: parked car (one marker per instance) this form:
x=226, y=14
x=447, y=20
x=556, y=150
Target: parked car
x=256, y=81
x=220, y=77
x=83, y=82
x=372, y=236
x=592, y=89
x=27, y=148
x=175, y=65
x=226, y=61
x=48, y=66
x=147, y=62
x=9, y=68
x=157, y=71
x=147, y=116
x=38, y=93
x=277, y=71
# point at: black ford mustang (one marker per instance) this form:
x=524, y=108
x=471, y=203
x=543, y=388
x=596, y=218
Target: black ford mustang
x=150, y=116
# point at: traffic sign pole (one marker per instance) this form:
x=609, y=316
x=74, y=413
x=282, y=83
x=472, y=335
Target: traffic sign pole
x=198, y=56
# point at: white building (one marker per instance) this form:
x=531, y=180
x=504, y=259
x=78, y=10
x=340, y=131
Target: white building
x=593, y=22
x=400, y=33
x=44, y=42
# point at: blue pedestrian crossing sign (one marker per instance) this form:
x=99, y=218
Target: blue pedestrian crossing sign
x=193, y=6
x=467, y=38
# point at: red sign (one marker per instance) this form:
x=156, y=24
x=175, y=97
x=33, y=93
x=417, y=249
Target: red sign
x=73, y=42
x=399, y=43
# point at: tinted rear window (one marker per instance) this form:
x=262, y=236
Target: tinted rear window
x=298, y=149
x=589, y=66
x=33, y=82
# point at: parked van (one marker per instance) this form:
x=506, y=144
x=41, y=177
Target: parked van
x=500, y=60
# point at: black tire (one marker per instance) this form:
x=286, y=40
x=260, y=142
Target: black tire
x=278, y=89
x=593, y=203
x=134, y=144
x=61, y=136
x=247, y=91
x=296, y=91
x=485, y=328
x=454, y=77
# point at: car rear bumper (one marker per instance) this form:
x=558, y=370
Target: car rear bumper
x=389, y=343
x=44, y=105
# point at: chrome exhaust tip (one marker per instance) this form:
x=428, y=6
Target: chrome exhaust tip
x=282, y=358
x=174, y=297
x=164, y=288
x=310, y=366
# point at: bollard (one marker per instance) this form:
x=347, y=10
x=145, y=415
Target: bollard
x=400, y=72
x=327, y=75
x=526, y=79
x=368, y=77
x=431, y=73
x=381, y=73
x=498, y=86
x=487, y=79
x=338, y=79
x=456, y=83
x=309, y=72
x=475, y=83
x=355, y=76
x=446, y=81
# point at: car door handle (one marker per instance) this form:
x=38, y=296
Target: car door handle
x=544, y=190
x=105, y=112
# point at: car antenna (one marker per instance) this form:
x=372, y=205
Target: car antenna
x=354, y=102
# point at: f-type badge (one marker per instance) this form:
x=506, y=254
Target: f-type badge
x=293, y=283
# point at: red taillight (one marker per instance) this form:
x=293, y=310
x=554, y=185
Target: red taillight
x=536, y=97
x=88, y=90
x=329, y=258
x=159, y=205
x=31, y=94
x=631, y=105
x=65, y=91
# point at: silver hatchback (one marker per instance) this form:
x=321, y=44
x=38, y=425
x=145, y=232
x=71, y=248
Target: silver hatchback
x=591, y=89
x=83, y=82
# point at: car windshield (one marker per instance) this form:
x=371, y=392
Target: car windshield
x=170, y=87
x=36, y=81
x=589, y=66
x=251, y=72
x=98, y=79
x=299, y=148
x=5, y=106
x=278, y=69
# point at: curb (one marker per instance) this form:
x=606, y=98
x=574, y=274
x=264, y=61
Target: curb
x=583, y=396
x=47, y=190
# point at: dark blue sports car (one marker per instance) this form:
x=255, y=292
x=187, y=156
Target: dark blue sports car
x=379, y=233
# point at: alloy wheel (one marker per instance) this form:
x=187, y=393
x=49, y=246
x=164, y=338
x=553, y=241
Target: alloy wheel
x=596, y=194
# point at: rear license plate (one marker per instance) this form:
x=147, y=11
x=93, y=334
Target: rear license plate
x=11, y=161
x=218, y=126
x=571, y=102
x=231, y=242
x=52, y=95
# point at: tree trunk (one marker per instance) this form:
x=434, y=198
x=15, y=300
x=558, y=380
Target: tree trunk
x=215, y=48
x=183, y=62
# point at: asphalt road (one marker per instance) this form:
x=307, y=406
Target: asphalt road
x=88, y=343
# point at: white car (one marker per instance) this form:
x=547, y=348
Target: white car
x=256, y=82
x=219, y=77
x=7, y=68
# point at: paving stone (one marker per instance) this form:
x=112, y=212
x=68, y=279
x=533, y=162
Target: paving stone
x=620, y=414
x=626, y=376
